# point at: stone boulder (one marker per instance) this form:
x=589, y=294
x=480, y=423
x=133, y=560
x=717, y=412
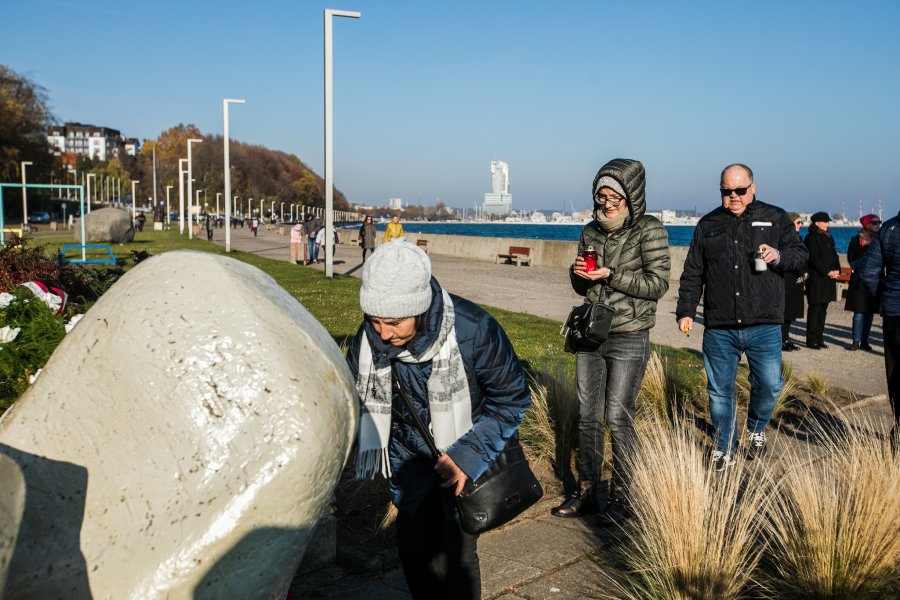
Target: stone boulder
x=181, y=442
x=106, y=225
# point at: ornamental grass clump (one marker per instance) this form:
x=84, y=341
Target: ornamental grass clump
x=835, y=520
x=695, y=531
x=550, y=427
x=657, y=396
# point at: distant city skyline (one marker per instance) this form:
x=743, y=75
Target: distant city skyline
x=805, y=93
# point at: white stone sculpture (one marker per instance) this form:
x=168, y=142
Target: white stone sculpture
x=181, y=442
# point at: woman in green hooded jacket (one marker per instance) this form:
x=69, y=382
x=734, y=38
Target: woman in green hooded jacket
x=631, y=275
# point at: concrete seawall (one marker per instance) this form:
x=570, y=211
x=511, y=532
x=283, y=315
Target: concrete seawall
x=544, y=253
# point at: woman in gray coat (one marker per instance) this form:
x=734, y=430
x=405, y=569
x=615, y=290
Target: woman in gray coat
x=367, y=236
x=609, y=376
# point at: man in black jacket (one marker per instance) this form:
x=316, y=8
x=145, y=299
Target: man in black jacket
x=736, y=262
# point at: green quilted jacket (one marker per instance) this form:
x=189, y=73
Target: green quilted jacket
x=642, y=273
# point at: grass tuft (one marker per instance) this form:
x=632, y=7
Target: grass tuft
x=694, y=534
x=835, y=520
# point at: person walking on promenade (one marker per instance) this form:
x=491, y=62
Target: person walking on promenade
x=254, y=224
x=141, y=219
x=608, y=377
x=459, y=371
x=860, y=302
x=880, y=273
x=209, y=227
x=394, y=229
x=311, y=228
x=367, y=236
x=794, y=302
x=824, y=268
x=296, y=242
x=736, y=261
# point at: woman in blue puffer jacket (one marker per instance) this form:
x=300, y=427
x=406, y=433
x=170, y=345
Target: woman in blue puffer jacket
x=462, y=376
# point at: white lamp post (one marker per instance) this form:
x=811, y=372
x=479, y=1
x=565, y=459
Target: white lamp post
x=168, y=209
x=25, y=163
x=181, y=172
x=218, y=195
x=237, y=205
x=190, y=210
x=134, y=201
x=225, y=104
x=88, y=208
x=329, y=132
x=250, y=207
x=282, y=211
x=273, y=209
x=190, y=185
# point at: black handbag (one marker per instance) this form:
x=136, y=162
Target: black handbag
x=587, y=326
x=501, y=494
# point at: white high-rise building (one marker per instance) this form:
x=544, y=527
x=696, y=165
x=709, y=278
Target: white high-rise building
x=395, y=203
x=498, y=202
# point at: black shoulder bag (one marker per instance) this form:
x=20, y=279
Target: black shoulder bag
x=587, y=326
x=501, y=494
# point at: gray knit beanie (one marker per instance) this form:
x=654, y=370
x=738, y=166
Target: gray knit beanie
x=609, y=182
x=396, y=281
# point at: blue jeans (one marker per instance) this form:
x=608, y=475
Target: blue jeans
x=862, y=326
x=607, y=382
x=313, y=249
x=722, y=349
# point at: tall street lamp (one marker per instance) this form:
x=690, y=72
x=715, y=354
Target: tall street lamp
x=282, y=211
x=25, y=163
x=168, y=208
x=134, y=201
x=225, y=104
x=237, y=204
x=250, y=207
x=181, y=172
x=89, y=175
x=329, y=132
x=190, y=211
x=273, y=210
x=190, y=184
x=218, y=195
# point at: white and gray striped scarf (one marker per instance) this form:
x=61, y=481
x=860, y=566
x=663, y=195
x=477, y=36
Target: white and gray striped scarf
x=449, y=402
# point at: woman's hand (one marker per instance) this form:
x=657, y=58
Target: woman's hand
x=601, y=273
x=833, y=274
x=451, y=474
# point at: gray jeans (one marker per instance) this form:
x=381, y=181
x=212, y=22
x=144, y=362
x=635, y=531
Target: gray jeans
x=607, y=382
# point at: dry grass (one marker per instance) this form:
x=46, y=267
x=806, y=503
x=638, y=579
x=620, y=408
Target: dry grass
x=695, y=532
x=550, y=427
x=835, y=521
x=817, y=384
x=657, y=396
x=788, y=389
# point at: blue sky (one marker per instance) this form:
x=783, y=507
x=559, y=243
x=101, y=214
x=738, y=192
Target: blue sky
x=428, y=93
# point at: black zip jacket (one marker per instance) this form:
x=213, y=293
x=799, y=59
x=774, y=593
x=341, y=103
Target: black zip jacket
x=719, y=266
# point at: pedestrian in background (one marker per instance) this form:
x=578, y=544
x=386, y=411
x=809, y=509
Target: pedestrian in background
x=880, y=272
x=367, y=236
x=863, y=304
x=821, y=289
x=296, y=242
x=736, y=263
x=310, y=229
x=609, y=376
x=794, y=301
x=394, y=229
x=254, y=223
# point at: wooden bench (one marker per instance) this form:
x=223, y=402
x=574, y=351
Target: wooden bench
x=423, y=244
x=518, y=254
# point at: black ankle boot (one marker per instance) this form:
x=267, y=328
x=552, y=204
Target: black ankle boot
x=583, y=502
x=617, y=509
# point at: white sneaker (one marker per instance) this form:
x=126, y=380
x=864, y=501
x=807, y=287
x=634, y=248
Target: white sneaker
x=756, y=445
x=722, y=461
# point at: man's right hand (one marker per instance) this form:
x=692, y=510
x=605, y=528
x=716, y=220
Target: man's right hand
x=685, y=324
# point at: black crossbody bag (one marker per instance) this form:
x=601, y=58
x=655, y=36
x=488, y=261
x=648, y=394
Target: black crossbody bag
x=501, y=494
x=587, y=326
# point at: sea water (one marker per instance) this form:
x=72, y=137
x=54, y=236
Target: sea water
x=679, y=235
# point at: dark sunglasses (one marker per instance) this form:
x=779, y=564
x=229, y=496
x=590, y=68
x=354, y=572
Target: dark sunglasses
x=741, y=191
x=874, y=222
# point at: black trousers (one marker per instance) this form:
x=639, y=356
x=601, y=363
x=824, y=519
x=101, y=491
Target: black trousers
x=440, y=560
x=891, y=330
x=815, y=323
x=786, y=331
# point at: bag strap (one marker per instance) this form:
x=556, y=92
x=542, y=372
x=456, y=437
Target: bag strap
x=615, y=261
x=429, y=439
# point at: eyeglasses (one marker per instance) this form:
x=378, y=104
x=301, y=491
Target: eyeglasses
x=798, y=222
x=615, y=202
x=741, y=191
x=873, y=222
